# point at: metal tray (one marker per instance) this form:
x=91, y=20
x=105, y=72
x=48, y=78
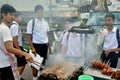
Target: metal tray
x=96, y=73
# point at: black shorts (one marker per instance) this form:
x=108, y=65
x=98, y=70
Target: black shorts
x=6, y=73
x=21, y=61
x=112, y=56
x=42, y=50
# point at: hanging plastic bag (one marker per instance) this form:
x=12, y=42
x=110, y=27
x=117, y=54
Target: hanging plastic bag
x=101, y=35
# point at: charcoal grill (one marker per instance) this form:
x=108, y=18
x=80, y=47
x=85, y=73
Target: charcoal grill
x=73, y=76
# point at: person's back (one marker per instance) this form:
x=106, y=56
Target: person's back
x=73, y=43
x=70, y=41
x=63, y=34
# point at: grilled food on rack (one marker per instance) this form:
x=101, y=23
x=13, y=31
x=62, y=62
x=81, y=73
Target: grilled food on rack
x=62, y=70
x=106, y=70
x=115, y=75
x=99, y=65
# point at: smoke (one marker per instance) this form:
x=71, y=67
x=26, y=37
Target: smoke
x=54, y=58
x=89, y=52
x=92, y=48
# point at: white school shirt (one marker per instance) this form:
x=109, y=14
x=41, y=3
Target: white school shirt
x=110, y=41
x=73, y=45
x=5, y=35
x=62, y=35
x=16, y=31
x=39, y=33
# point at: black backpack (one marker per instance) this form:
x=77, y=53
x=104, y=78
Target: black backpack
x=118, y=40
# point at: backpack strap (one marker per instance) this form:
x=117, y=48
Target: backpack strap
x=118, y=40
x=64, y=32
x=12, y=24
x=33, y=24
x=68, y=38
x=118, y=37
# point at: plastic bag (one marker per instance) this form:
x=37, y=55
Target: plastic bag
x=37, y=60
x=101, y=35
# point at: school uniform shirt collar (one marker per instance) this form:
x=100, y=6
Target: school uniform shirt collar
x=40, y=20
x=14, y=22
x=114, y=29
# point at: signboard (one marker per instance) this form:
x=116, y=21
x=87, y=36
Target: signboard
x=115, y=6
x=99, y=5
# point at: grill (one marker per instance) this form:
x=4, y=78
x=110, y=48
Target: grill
x=98, y=75
x=82, y=30
x=62, y=71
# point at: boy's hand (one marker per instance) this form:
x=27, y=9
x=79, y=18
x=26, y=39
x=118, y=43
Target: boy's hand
x=33, y=51
x=28, y=58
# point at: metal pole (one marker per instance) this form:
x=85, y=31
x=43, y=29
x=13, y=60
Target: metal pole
x=84, y=48
x=50, y=21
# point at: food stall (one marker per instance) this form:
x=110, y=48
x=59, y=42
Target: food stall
x=66, y=69
x=70, y=71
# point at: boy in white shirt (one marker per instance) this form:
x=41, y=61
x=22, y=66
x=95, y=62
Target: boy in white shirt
x=62, y=35
x=111, y=42
x=17, y=42
x=8, y=67
x=72, y=46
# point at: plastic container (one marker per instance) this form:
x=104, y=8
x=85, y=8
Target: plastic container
x=85, y=77
x=27, y=48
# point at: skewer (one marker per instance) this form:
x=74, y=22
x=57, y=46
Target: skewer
x=97, y=59
x=103, y=62
x=108, y=61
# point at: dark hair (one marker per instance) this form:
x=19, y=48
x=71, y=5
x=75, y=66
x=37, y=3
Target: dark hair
x=17, y=14
x=6, y=8
x=38, y=7
x=110, y=15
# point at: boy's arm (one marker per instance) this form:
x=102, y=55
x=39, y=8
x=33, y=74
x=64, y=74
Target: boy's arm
x=29, y=37
x=49, y=46
x=15, y=51
x=15, y=42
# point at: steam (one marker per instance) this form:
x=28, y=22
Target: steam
x=92, y=48
x=91, y=52
x=54, y=59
